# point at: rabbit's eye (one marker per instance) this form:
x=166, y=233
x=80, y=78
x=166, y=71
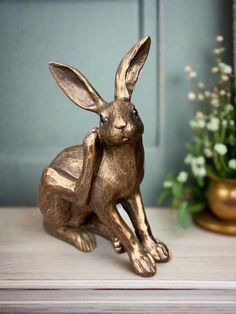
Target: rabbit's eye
x=135, y=112
x=103, y=119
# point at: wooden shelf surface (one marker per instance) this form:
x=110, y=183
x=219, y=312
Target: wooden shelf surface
x=37, y=270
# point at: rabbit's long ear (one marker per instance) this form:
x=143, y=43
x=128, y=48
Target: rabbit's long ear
x=129, y=68
x=76, y=87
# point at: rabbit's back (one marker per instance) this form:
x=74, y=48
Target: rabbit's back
x=70, y=161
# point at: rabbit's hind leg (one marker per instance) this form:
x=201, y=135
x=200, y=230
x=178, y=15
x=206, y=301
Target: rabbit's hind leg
x=81, y=238
x=97, y=226
x=59, y=220
x=56, y=222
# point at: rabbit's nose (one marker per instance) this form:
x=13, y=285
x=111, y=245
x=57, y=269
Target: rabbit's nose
x=120, y=124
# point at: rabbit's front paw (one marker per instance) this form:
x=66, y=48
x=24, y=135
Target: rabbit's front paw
x=157, y=249
x=143, y=265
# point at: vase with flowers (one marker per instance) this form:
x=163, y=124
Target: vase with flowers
x=210, y=179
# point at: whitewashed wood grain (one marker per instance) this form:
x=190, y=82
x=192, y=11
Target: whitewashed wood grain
x=201, y=274
x=111, y=301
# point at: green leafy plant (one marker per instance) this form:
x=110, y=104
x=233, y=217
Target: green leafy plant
x=212, y=152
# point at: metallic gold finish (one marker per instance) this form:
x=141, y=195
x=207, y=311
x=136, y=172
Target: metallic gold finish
x=80, y=189
x=221, y=195
x=127, y=73
x=210, y=222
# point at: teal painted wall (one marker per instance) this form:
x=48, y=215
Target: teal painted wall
x=190, y=27
x=37, y=120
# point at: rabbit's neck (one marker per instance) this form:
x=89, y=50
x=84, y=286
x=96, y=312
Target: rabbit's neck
x=125, y=150
x=126, y=157
x=123, y=164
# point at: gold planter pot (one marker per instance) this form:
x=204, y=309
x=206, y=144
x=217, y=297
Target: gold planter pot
x=221, y=195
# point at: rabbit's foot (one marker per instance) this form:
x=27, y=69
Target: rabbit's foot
x=143, y=264
x=157, y=249
x=84, y=240
x=117, y=245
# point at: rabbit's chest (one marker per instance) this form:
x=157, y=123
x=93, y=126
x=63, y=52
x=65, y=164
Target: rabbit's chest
x=125, y=169
x=120, y=174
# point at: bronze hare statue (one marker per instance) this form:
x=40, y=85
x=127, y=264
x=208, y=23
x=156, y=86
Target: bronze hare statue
x=80, y=189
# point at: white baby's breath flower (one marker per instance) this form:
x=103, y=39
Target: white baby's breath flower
x=219, y=38
x=192, y=75
x=201, y=124
x=232, y=164
x=191, y=96
x=213, y=124
x=195, y=169
x=221, y=65
x=218, y=51
x=199, y=121
x=201, y=85
x=182, y=177
x=200, y=115
x=231, y=123
x=198, y=171
x=188, y=159
x=224, y=78
x=202, y=172
x=187, y=69
x=215, y=70
x=229, y=95
x=193, y=124
x=220, y=148
x=224, y=123
x=227, y=69
x=208, y=153
x=222, y=92
x=200, y=160
x=167, y=184
x=229, y=108
x=207, y=93
x=200, y=97
x=198, y=166
x=215, y=102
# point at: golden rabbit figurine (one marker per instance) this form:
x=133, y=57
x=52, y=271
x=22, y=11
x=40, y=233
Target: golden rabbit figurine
x=80, y=189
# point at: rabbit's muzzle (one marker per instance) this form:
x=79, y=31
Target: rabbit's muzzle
x=127, y=133
x=120, y=124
